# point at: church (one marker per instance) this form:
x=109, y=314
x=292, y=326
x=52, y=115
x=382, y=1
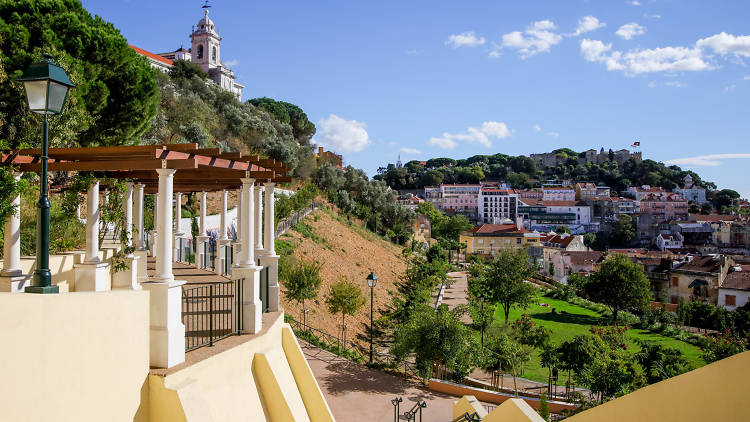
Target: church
x=205, y=51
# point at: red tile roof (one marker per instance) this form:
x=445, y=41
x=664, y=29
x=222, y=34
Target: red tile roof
x=510, y=191
x=714, y=218
x=151, y=55
x=556, y=239
x=582, y=258
x=497, y=228
x=738, y=280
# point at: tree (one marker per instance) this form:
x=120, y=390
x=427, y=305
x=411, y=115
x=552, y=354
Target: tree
x=706, y=209
x=723, y=346
x=505, y=280
x=482, y=315
x=544, y=406
x=346, y=298
x=511, y=356
x=563, y=229
x=623, y=231
x=436, y=336
x=302, y=282
x=288, y=113
x=660, y=362
x=575, y=354
x=620, y=284
x=185, y=69
x=116, y=94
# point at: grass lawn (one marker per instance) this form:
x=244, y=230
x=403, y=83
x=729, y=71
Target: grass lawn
x=577, y=321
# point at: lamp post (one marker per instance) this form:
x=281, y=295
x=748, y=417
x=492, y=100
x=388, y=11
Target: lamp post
x=372, y=280
x=47, y=88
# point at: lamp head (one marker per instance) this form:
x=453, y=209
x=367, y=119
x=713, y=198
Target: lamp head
x=372, y=280
x=46, y=86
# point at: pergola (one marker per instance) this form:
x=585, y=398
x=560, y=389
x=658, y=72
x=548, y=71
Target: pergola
x=168, y=170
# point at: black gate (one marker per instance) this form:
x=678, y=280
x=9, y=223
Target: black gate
x=211, y=312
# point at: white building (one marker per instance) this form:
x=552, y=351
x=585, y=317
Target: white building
x=691, y=192
x=669, y=241
x=558, y=193
x=497, y=204
x=205, y=51
x=735, y=291
x=580, y=209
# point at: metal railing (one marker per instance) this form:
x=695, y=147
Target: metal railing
x=295, y=218
x=211, y=312
x=468, y=417
x=228, y=258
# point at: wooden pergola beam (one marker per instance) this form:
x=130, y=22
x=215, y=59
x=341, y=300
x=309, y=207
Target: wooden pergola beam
x=112, y=165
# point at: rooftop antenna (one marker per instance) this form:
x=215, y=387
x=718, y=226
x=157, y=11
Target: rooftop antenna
x=206, y=5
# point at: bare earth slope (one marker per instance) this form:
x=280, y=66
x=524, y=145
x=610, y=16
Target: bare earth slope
x=348, y=251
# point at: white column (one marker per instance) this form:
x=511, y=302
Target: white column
x=91, y=275
x=177, y=226
x=12, y=278
x=92, y=224
x=270, y=225
x=12, y=238
x=269, y=259
x=258, y=237
x=202, y=225
x=246, y=269
x=247, y=253
x=155, y=231
x=140, y=245
x=167, y=333
x=223, y=239
x=178, y=214
x=164, y=227
x=128, y=208
x=138, y=211
x=223, y=235
x=128, y=277
x=202, y=255
x=238, y=229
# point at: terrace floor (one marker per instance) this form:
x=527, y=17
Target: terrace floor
x=187, y=272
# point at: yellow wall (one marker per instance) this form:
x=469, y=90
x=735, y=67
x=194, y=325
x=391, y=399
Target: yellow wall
x=715, y=392
x=74, y=357
x=260, y=379
x=491, y=245
x=61, y=267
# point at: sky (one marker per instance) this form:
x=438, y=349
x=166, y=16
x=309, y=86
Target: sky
x=433, y=78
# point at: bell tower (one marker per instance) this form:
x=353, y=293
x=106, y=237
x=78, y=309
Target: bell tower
x=206, y=44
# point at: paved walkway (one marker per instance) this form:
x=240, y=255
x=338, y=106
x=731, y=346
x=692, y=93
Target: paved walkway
x=357, y=393
x=188, y=272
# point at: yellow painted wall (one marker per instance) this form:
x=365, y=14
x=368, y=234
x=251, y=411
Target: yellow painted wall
x=470, y=405
x=74, y=357
x=251, y=381
x=715, y=392
x=312, y=397
x=61, y=267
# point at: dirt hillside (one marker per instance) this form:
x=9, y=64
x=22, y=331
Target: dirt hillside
x=348, y=251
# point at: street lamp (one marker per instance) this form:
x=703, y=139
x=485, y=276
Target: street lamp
x=47, y=88
x=372, y=280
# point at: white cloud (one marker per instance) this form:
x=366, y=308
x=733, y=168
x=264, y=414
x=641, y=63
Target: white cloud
x=635, y=3
x=412, y=52
x=536, y=38
x=652, y=16
x=630, y=30
x=553, y=134
x=633, y=62
x=233, y=62
x=705, y=160
x=444, y=142
x=727, y=44
x=466, y=39
x=342, y=135
x=747, y=78
x=730, y=88
x=482, y=135
x=587, y=24
x=495, y=52
x=537, y=128
x=675, y=84
x=652, y=84
x=411, y=151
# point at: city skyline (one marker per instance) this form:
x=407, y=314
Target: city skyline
x=427, y=80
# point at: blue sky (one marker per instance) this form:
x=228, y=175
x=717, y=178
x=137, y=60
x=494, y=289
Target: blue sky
x=443, y=78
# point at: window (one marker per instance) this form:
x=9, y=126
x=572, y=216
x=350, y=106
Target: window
x=518, y=241
x=479, y=241
x=675, y=281
x=213, y=54
x=730, y=300
x=200, y=51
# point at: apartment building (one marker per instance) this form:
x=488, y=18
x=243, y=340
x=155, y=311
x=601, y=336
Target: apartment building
x=558, y=193
x=497, y=204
